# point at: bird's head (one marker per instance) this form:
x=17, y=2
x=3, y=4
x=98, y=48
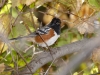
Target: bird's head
x=56, y=25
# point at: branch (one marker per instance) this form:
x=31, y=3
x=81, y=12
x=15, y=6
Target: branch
x=75, y=61
x=45, y=57
x=3, y=3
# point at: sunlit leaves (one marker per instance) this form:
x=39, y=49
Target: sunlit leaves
x=5, y=28
x=4, y=73
x=70, y=4
x=25, y=21
x=3, y=47
x=85, y=11
x=5, y=23
x=94, y=70
x=19, y=2
x=38, y=3
x=6, y=8
x=94, y=3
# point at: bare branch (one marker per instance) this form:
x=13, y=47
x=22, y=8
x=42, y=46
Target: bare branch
x=45, y=57
x=76, y=60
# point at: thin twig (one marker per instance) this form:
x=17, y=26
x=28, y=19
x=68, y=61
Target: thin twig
x=34, y=26
x=15, y=63
x=49, y=67
x=46, y=45
x=23, y=59
x=27, y=28
x=18, y=15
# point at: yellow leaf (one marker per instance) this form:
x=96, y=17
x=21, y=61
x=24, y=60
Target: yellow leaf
x=85, y=11
x=3, y=47
x=5, y=24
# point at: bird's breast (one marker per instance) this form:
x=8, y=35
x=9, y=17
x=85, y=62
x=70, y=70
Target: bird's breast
x=49, y=38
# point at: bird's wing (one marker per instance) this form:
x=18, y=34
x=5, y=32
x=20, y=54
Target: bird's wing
x=41, y=31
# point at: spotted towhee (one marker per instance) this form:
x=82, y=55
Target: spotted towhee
x=45, y=35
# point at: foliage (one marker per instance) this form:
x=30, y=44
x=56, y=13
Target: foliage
x=20, y=17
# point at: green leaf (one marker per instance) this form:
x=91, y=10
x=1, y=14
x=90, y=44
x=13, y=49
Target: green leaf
x=95, y=3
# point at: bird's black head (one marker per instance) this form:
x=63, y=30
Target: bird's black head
x=55, y=24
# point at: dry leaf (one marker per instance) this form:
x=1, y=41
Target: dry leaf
x=28, y=2
x=2, y=67
x=79, y=4
x=18, y=2
x=85, y=11
x=85, y=28
x=89, y=25
x=5, y=24
x=96, y=55
x=3, y=47
x=5, y=30
x=22, y=1
x=41, y=2
x=15, y=3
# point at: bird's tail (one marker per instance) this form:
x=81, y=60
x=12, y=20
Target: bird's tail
x=27, y=37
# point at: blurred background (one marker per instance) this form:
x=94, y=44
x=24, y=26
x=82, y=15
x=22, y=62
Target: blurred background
x=21, y=17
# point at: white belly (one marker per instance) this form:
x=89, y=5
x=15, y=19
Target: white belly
x=51, y=41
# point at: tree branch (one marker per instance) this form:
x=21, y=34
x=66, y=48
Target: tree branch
x=76, y=60
x=45, y=57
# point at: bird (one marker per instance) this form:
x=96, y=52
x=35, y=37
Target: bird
x=46, y=35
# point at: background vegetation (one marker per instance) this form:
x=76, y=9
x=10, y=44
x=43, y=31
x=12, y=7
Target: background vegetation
x=80, y=20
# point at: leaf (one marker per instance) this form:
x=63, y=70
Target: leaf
x=19, y=30
x=95, y=3
x=94, y=70
x=96, y=56
x=61, y=43
x=85, y=28
x=15, y=3
x=28, y=20
x=19, y=2
x=41, y=2
x=5, y=26
x=3, y=47
x=76, y=73
x=85, y=11
x=28, y=2
x=5, y=29
x=6, y=73
x=2, y=67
